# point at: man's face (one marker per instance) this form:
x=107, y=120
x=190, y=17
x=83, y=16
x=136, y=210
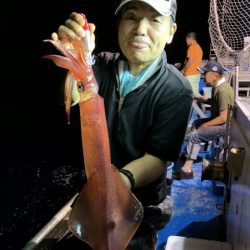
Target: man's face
x=188, y=41
x=211, y=78
x=143, y=33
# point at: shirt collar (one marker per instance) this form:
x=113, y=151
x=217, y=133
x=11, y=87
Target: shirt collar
x=222, y=80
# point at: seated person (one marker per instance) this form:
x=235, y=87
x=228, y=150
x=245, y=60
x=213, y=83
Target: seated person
x=207, y=129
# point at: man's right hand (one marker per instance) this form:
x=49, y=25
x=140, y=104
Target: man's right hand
x=73, y=28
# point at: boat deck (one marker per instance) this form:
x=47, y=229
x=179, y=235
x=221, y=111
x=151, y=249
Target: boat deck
x=198, y=209
x=198, y=204
x=34, y=189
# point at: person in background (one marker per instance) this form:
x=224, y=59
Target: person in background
x=208, y=129
x=192, y=62
x=147, y=103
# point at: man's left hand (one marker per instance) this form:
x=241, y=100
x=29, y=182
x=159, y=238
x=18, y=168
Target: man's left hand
x=204, y=125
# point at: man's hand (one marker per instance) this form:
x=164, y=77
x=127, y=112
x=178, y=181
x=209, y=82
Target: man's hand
x=219, y=120
x=204, y=125
x=73, y=28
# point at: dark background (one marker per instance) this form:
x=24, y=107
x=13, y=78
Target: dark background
x=30, y=86
x=36, y=146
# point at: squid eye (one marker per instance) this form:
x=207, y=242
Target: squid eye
x=80, y=86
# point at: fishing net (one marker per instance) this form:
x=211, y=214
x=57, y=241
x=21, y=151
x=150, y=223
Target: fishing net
x=229, y=29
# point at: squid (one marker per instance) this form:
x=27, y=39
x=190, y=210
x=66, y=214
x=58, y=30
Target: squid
x=105, y=214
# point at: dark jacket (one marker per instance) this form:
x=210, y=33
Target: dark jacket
x=152, y=119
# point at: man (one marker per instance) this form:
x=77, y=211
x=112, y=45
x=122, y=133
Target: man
x=192, y=62
x=208, y=129
x=147, y=101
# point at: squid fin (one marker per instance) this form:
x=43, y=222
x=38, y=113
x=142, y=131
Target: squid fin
x=90, y=222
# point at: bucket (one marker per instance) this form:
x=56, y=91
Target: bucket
x=214, y=170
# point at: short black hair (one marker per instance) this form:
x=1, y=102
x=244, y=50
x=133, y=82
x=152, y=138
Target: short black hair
x=192, y=35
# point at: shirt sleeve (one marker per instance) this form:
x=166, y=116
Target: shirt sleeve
x=224, y=101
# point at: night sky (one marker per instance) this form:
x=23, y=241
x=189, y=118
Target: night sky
x=33, y=125
x=30, y=85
